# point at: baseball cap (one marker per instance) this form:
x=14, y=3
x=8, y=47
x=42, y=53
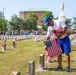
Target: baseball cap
x=46, y=20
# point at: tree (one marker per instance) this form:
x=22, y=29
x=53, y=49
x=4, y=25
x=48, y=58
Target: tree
x=13, y=22
x=46, y=13
x=3, y=22
x=27, y=25
x=74, y=22
x=16, y=23
x=68, y=22
x=31, y=20
x=3, y=25
x=1, y=14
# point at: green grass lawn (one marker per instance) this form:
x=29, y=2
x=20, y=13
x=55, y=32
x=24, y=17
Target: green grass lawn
x=27, y=50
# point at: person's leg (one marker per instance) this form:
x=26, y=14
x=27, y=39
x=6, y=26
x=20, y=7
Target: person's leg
x=68, y=62
x=59, y=63
x=67, y=50
x=60, y=60
x=60, y=57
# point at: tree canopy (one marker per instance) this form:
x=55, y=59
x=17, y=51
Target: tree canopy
x=74, y=22
x=3, y=23
x=31, y=21
x=16, y=23
x=68, y=22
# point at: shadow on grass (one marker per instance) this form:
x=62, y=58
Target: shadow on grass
x=73, y=69
x=54, y=61
x=4, y=52
x=51, y=61
x=63, y=70
x=47, y=68
x=74, y=50
x=71, y=61
x=10, y=49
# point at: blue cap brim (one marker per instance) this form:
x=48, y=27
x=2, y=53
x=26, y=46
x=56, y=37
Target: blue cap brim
x=46, y=23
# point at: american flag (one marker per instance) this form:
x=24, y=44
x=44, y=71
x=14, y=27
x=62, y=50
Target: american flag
x=54, y=50
x=3, y=44
x=58, y=31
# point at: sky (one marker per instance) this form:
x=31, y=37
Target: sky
x=15, y=6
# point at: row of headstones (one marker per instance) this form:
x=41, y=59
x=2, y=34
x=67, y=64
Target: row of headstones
x=23, y=37
x=31, y=67
x=20, y=37
x=73, y=43
x=35, y=37
x=38, y=38
x=72, y=36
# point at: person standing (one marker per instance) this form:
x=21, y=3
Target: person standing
x=36, y=36
x=62, y=39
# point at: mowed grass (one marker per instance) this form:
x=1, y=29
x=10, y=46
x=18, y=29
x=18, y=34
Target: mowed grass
x=27, y=50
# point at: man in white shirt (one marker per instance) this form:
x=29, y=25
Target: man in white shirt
x=63, y=40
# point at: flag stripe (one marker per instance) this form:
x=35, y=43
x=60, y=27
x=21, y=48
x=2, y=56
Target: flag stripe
x=54, y=50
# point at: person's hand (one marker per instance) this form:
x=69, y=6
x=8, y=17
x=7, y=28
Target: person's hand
x=53, y=31
x=45, y=48
x=59, y=35
x=45, y=45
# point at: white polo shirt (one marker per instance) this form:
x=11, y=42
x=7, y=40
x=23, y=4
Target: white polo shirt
x=57, y=24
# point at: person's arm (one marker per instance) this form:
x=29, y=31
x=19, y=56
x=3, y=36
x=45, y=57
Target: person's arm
x=48, y=33
x=47, y=38
x=63, y=32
